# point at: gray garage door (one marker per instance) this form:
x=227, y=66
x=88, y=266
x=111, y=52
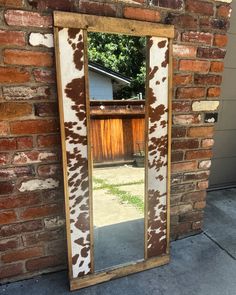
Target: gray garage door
x=223, y=171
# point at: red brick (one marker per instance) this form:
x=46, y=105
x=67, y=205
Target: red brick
x=34, y=156
x=31, y=213
x=200, y=205
x=55, y=5
x=172, y=4
x=45, y=262
x=197, y=37
x=182, y=79
x=12, y=38
x=4, y=128
x=220, y=40
x=181, y=228
x=213, y=92
x=186, y=119
x=46, y=109
x=27, y=19
x=51, y=140
x=184, y=166
x=34, y=126
x=192, y=216
x=11, y=110
x=24, y=142
x=208, y=142
x=96, y=8
x=142, y=14
x=18, y=228
x=200, y=154
x=219, y=24
x=203, y=185
x=217, y=66
x=184, y=51
x=26, y=92
x=21, y=200
x=27, y=57
x=4, y=158
x=7, y=217
x=211, y=53
x=13, y=75
x=7, y=245
x=201, y=131
x=6, y=187
x=182, y=21
x=12, y=3
x=49, y=170
x=194, y=196
x=15, y=172
x=44, y=76
x=177, y=156
x=208, y=79
x=200, y=66
x=196, y=176
x=7, y=144
x=197, y=225
x=191, y=93
x=12, y=270
x=201, y=7
x=178, y=132
x=181, y=106
x=224, y=11
x=185, y=144
x=44, y=236
x=22, y=254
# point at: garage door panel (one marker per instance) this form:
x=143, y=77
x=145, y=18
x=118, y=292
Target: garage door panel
x=229, y=84
x=225, y=144
x=230, y=60
x=223, y=171
x=227, y=118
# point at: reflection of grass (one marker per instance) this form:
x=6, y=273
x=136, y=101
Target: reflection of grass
x=122, y=195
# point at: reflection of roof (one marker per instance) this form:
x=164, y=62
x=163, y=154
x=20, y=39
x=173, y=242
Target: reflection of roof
x=107, y=72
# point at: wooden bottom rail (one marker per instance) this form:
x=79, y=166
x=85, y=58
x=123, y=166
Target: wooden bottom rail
x=105, y=276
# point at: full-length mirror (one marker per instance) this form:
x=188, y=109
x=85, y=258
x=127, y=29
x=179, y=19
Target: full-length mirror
x=115, y=132
x=117, y=75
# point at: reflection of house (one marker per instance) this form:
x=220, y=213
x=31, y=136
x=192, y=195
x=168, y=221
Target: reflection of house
x=103, y=82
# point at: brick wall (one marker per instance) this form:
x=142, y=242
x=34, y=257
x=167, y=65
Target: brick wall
x=32, y=231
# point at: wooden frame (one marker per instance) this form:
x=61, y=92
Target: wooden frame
x=73, y=92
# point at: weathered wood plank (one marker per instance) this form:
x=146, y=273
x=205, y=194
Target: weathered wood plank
x=111, y=25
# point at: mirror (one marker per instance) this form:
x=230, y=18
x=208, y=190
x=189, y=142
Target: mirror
x=117, y=74
x=103, y=243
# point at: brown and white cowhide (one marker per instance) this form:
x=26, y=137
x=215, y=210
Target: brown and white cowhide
x=157, y=105
x=71, y=58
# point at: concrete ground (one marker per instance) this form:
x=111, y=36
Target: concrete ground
x=203, y=264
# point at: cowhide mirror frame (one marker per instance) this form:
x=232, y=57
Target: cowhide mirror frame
x=70, y=31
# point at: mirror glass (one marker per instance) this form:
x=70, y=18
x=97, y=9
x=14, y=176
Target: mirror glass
x=117, y=74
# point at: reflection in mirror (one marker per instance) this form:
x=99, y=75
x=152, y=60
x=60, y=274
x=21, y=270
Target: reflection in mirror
x=117, y=74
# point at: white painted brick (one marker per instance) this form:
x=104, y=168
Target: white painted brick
x=38, y=184
x=199, y=106
x=205, y=164
x=52, y=222
x=38, y=39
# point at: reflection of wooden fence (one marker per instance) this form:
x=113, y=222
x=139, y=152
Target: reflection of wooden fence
x=117, y=129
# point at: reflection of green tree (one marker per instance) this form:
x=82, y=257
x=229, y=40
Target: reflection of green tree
x=123, y=54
